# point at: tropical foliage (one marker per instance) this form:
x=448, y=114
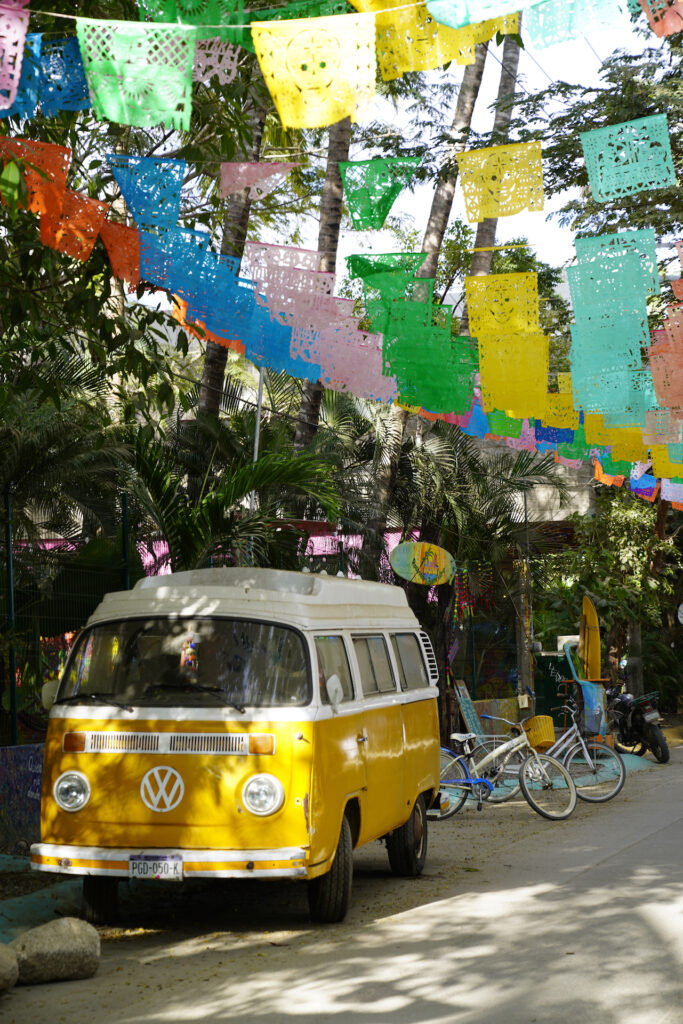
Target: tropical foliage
x=633, y=577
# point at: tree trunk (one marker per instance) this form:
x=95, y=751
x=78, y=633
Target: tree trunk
x=481, y=265
x=328, y=240
x=442, y=203
x=635, y=658
x=663, y=507
x=234, y=237
x=385, y=481
x=486, y=230
x=439, y=215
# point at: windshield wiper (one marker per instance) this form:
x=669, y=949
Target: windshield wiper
x=103, y=698
x=187, y=685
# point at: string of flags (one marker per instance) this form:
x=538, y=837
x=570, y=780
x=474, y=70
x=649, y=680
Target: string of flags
x=277, y=308
x=317, y=56
x=284, y=313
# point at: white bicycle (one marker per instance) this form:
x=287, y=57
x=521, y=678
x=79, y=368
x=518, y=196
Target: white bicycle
x=496, y=772
x=597, y=770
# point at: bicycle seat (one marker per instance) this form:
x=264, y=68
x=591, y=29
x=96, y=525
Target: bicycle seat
x=460, y=737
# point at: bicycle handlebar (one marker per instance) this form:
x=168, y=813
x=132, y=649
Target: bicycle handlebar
x=566, y=707
x=497, y=718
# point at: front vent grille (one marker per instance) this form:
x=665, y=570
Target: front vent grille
x=167, y=743
x=122, y=742
x=208, y=743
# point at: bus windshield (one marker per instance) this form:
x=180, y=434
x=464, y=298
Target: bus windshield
x=189, y=663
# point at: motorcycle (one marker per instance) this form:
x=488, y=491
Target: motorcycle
x=635, y=723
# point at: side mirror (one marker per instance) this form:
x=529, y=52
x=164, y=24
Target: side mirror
x=335, y=691
x=49, y=692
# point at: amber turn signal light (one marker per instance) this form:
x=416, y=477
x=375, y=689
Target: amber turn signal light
x=73, y=743
x=262, y=744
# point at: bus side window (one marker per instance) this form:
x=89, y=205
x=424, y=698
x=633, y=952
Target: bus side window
x=373, y=662
x=333, y=660
x=411, y=666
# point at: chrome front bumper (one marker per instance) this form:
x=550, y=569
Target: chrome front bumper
x=283, y=862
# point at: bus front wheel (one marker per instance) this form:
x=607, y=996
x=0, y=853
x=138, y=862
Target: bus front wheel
x=329, y=894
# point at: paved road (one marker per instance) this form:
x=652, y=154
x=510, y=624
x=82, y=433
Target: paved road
x=515, y=917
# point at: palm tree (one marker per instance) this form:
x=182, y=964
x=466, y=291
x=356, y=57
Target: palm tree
x=219, y=523
x=57, y=455
x=338, y=145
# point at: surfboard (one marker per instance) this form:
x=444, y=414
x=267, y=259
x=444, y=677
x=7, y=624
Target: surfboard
x=589, y=644
x=422, y=563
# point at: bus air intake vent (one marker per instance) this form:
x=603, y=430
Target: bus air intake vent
x=432, y=666
x=208, y=743
x=123, y=743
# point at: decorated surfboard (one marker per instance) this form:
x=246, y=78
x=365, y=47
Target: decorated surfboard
x=589, y=644
x=422, y=563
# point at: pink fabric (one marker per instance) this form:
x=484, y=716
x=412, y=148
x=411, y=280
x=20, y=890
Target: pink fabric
x=672, y=491
x=665, y=18
x=262, y=255
x=526, y=440
x=295, y=297
x=661, y=427
x=666, y=366
x=310, y=341
x=13, y=25
x=352, y=360
x=260, y=179
x=638, y=469
x=673, y=324
x=324, y=330
x=215, y=58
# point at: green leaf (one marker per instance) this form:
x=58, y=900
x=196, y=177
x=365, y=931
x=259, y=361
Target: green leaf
x=9, y=185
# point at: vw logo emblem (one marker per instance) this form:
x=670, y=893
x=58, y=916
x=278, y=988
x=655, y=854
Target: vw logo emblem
x=161, y=789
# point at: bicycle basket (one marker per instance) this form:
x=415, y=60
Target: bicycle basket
x=541, y=731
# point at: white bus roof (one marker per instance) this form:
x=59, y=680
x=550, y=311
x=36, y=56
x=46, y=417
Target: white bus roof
x=300, y=599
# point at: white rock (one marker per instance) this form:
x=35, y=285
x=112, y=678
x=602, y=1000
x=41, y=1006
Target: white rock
x=9, y=971
x=58, y=951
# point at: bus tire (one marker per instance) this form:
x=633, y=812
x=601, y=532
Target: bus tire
x=407, y=845
x=100, y=899
x=329, y=894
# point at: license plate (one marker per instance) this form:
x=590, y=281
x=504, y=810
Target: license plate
x=150, y=865
x=651, y=716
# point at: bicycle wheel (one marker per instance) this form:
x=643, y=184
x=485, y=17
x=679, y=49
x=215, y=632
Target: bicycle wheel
x=548, y=787
x=503, y=773
x=452, y=771
x=598, y=771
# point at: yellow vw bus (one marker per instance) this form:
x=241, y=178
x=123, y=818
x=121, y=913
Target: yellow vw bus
x=241, y=723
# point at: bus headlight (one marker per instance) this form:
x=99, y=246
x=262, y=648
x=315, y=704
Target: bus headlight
x=263, y=794
x=72, y=791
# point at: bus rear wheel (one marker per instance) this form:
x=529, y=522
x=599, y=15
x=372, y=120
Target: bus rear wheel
x=407, y=845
